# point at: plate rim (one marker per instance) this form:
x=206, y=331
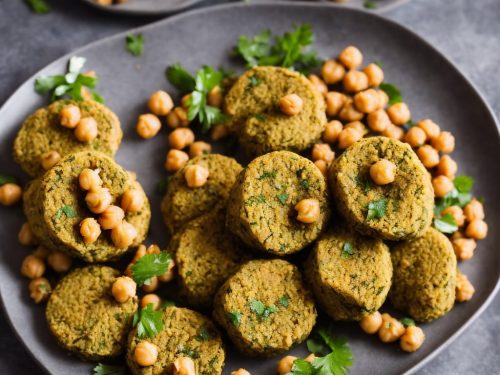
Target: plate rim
x=294, y=4
x=116, y=9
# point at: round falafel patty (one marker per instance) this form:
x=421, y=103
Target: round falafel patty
x=349, y=274
x=256, y=117
x=54, y=206
x=182, y=203
x=261, y=205
x=265, y=307
x=186, y=333
x=85, y=318
x=402, y=209
x=425, y=273
x=41, y=132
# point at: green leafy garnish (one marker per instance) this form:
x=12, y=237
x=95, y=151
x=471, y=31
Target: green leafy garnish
x=180, y=78
x=148, y=321
x=4, y=179
x=38, y=6
x=370, y=4
x=284, y=300
x=376, y=209
x=203, y=335
x=135, y=44
x=407, y=322
x=347, y=250
x=445, y=223
x=392, y=92
x=463, y=184
x=235, y=318
x=67, y=210
x=261, y=310
x=70, y=84
x=166, y=304
x=286, y=50
x=283, y=197
x=301, y=367
x=102, y=369
x=459, y=196
x=150, y=265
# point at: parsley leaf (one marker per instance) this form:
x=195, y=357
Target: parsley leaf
x=102, y=369
x=68, y=211
x=370, y=4
x=463, y=184
x=38, y=6
x=377, y=209
x=301, y=367
x=459, y=196
x=445, y=224
x=4, y=179
x=283, y=197
x=392, y=92
x=180, y=78
x=261, y=310
x=135, y=44
x=234, y=317
x=407, y=322
x=150, y=265
x=149, y=322
x=347, y=250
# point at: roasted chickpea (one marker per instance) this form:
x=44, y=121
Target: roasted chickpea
x=332, y=72
x=69, y=116
x=464, y=289
x=219, y=131
x=412, y=339
x=322, y=166
x=367, y=101
x=391, y=329
x=332, y=131
x=371, y=323
x=123, y=289
x=132, y=201
x=349, y=136
x=415, y=137
x=151, y=299
x=181, y=138
x=153, y=249
x=98, y=200
x=355, y=81
x=394, y=132
x=148, y=125
x=334, y=102
x=26, y=236
x=175, y=160
x=351, y=57
x=146, y=354
x=86, y=130
x=10, y=194
x=89, y=179
x=430, y=128
x=457, y=213
x=447, y=167
x=474, y=210
x=349, y=112
x=199, y=148
x=32, y=267
x=169, y=274
x=177, y=118
x=444, y=142
x=123, y=235
x=383, y=98
x=40, y=289
x=152, y=286
x=111, y=217
x=90, y=230
x=49, y=159
x=184, y=366
x=383, y=172
x=240, y=371
x=464, y=248
x=185, y=101
x=285, y=365
x=358, y=125
x=375, y=74
x=308, y=210
x=318, y=84
x=378, y=120
x=196, y=175
x=322, y=151
x=399, y=113
x=59, y=262
x=477, y=229
x=41, y=252
x=160, y=103
x=428, y=156
x=214, y=97
x=442, y=186
x=457, y=235
x=291, y=104
x=310, y=358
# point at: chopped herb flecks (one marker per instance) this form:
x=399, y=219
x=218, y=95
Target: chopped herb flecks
x=261, y=310
x=282, y=198
x=148, y=322
x=235, y=318
x=265, y=175
x=377, y=209
x=284, y=300
x=135, y=44
x=347, y=250
x=67, y=210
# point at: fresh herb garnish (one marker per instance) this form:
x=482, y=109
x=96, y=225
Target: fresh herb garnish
x=68, y=211
x=150, y=265
x=4, y=179
x=102, y=369
x=148, y=321
x=459, y=196
x=38, y=6
x=70, y=84
x=283, y=197
x=376, y=209
x=463, y=184
x=135, y=44
x=445, y=223
x=167, y=303
x=392, y=92
x=370, y=4
x=407, y=322
x=261, y=310
x=284, y=300
x=203, y=335
x=347, y=250
x=235, y=318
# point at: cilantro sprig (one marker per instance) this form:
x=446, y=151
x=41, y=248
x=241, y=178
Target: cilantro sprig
x=69, y=84
x=4, y=179
x=38, y=6
x=148, y=322
x=135, y=44
x=103, y=369
x=392, y=92
x=150, y=265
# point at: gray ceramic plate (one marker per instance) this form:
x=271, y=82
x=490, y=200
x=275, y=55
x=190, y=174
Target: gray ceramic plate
x=372, y=6
x=431, y=85
x=145, y=7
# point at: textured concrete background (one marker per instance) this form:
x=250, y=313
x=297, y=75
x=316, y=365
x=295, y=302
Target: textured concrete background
x=468, y=32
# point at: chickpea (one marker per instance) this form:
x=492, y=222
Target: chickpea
x=90, y=230
x=444, y=142
x=428, y=156
x=70, y=116
x=153, y=249
x=151, y=299
x=310, y=358
x=146, y=354
x=457, y=213
x=196, y=175
x=334, y=102
x=332, y=131
x=132, y=201
x=371, y=323
x=358, y=125
x=177, y=118
x=89, y=179
x=152, y=286
x=383, y=172
x=175, y=160
x=349, y=136
x=169, y=274
x=399, y=113
x=41, y=252
x=349, y=112
x=391, y=329
x=148, y=125
x=383, y=98
x=123, y=289
x=86, y=130
x=415, y=137
x=98, y=200
x=464, y=248
x=442, y=186
x=430, y=128
x=32, y=267
x=214, y=97
x=199, y=148
x=412, y=339
x=240, y=371
x=111, y=217
x=181, y=138
x=308, y=211
x=367, y=101
x=323, y=151
x=10, y=194
x=59, y=261
x=123, y=235
x=318, y=84
x=394, y=132
x=40, y=289
x=474, y=210
x=160, y=103
x=219, y=131
x=464, y=289
x=378, y=120
x=322, y=166
x=375, y=74
x=291, y=104
x=447, y=167
x=185, y=101
x=49, y=159
x=457, y=235
x=477, y=229
x=184, y=366
x=285, y=365
x=332, y=72
x=351, y=57
x=26, y=236
x=355, y=81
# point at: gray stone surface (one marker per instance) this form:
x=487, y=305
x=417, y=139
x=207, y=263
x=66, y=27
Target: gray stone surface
x=467, y=32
